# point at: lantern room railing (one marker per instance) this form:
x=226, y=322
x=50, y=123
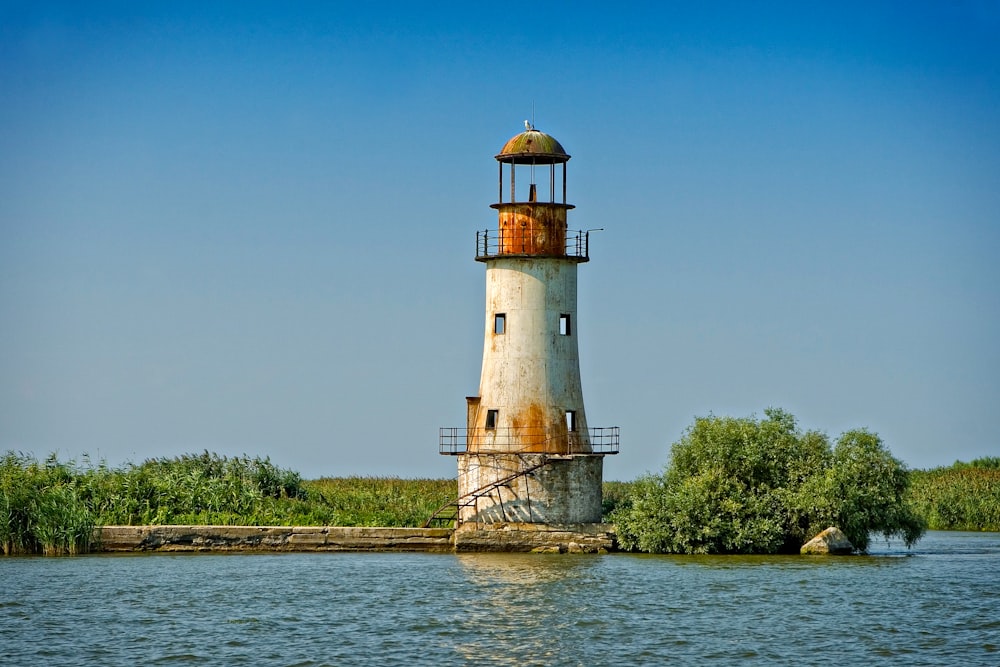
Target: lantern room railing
x=499, y=243
x=454, y=440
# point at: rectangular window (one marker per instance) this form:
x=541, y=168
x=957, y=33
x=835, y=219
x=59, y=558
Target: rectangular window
x=491, y=419
x=571, y=421
x=564, y=325
x=499, y=323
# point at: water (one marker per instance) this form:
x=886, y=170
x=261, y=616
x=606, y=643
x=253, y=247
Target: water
x=939, y=604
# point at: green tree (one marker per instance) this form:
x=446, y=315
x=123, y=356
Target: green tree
x=763, y=486
x=869, y=486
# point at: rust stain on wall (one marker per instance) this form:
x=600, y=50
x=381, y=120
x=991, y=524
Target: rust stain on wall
x=533, y=229
x=538, y=434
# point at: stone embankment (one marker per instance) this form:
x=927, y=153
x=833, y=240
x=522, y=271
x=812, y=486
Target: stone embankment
x=509, y=537
x=271, y=538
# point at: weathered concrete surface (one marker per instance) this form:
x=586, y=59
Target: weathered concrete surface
x=831, y=541
x=498, y=537
x=271, y=538
x=534, y=537
x=531, y=371
x=563, y=491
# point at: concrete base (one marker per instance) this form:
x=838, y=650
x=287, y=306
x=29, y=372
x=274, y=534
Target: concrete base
x=536, y=538
x=561, y=490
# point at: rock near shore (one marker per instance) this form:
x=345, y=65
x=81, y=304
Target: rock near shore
x=831, y=541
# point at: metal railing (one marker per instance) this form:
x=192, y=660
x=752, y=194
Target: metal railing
x=454, y=440
x=498, y=243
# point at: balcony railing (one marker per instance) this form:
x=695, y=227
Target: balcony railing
x=498, y=243
x=454, y=440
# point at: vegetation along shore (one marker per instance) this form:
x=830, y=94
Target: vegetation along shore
x=732, y=486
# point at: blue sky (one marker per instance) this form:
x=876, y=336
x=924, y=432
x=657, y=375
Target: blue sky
x=250, y=227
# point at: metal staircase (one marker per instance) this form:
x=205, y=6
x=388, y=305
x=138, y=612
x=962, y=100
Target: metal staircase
x=442, y=515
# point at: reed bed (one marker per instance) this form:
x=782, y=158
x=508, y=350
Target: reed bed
x=41, y=510
x=52, y=507
x=964, y=496
x=381, y=501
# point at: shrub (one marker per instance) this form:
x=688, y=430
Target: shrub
x=763, y=486
x=616, y=496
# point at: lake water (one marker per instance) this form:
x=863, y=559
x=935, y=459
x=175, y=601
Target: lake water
x=936, y=605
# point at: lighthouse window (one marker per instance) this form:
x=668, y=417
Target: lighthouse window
x=499, y=323
x=571, y=420
x=564, y=325
x=491, y=418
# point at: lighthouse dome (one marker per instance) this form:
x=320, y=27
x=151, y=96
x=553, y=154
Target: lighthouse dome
x=532, y=146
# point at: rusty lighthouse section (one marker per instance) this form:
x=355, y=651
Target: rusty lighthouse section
x=527, y=453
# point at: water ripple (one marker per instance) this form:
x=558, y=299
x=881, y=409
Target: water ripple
x=936, y=606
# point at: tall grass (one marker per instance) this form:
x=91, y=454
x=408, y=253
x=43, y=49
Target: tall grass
x=964, y=496
x=53, y=507
x=382, y=501
x=41, y=510
x=195, y=488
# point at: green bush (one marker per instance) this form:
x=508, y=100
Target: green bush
x=616, y=496
x=763, y=486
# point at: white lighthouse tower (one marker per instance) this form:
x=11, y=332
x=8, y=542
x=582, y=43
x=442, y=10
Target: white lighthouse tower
x=527, y=454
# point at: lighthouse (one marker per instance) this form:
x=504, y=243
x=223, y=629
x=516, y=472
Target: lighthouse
x=527, y=454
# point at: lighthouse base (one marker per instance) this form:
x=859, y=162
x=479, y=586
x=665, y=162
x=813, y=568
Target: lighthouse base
x=530, y=488
x=535, y=538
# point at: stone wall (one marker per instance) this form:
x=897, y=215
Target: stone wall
x=271, y=538
x=496, y=537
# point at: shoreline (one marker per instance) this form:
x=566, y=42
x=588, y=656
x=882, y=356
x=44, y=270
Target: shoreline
x=501, y=537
